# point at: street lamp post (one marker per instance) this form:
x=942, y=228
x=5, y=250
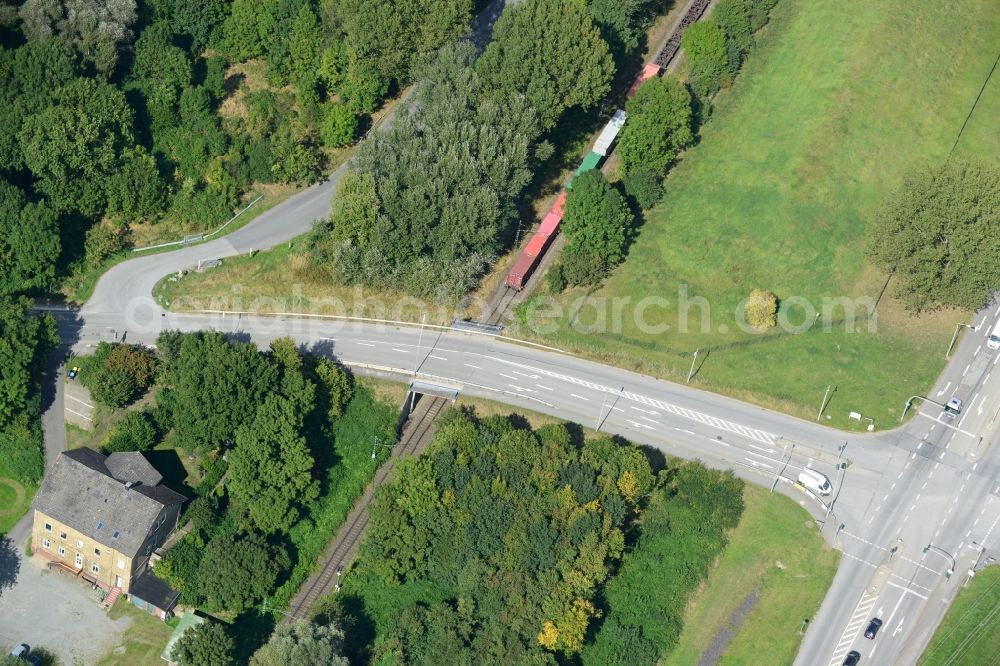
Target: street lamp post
x=955, y=337
x=944, y=553
x=693, y=361
x=420, y=341
x=909, y=403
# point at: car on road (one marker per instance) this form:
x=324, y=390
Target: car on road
x=852, y=658
x=954, y=407
x=873, y=628
x=993, y=342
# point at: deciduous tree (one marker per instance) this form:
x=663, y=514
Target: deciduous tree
x=207, y=644
x=704, y=44
x=659, y=125
x=238, y=571
x=597, y=223
x=304, y=644
x=551, y=52
x=937, y=235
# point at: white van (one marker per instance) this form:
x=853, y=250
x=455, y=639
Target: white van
x=993, y=342
x=815, y=481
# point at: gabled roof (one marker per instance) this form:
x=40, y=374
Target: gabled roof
x=81, y=491
x=132, y=466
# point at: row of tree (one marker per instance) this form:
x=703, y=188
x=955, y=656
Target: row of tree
x=429, y=203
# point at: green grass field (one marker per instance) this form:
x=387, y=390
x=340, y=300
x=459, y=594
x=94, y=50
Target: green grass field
x=15, y=498
x=970, y=632
x=772, y=547
x=840, y=99
x=142, y=642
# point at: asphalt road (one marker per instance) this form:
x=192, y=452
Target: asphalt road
x=932, y=482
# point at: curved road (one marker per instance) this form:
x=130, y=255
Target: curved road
x=931, y=483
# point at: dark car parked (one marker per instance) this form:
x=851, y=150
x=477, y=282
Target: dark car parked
x=873, y=627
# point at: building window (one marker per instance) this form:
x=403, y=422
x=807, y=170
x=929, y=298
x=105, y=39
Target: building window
x=46, y=543
x=121, y=564
x=79, y=543
x=97, y=551
x=95, y=569
x=62, y=535
x=48, y=527
x=61, y=551
x=79, y=561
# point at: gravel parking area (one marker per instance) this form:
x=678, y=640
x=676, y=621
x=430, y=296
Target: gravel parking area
x=54, y=611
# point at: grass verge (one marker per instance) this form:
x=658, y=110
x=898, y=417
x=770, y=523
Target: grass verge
x=824, y=119
x=15, y=499
x=970, y=632
x=776, y=547
x=142, y=642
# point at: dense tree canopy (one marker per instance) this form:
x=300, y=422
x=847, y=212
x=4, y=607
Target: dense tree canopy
x=29, y=242
x=683, y=530
x=74, y=146
x=94, y=27
x=704, y=44
x=238, y=571
x=551, y=52
x=429, y=198
x=207, y=644
x=659, y=124
x=937, y=235
x=520, y=527
x=302, y=644
x=25, y=342
x=216, y=385
x=598, y=225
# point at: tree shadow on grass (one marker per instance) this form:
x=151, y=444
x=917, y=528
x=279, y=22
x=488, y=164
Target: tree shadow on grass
x=250, y=631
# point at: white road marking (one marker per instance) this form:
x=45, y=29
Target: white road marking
x=941, y=392
x=520, y=388
x=440, y=358
x=578, y=397
x=469, y=365
x=366, y=344
x=547, y=388
x=82, y=402
x=646, y=418
x=79, y=414
x=689, y=432
x=401, y=351
x=858, y=617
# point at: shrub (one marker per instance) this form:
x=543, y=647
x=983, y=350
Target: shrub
x=339, y=126
x=123, y=374
x=704, y=43
x=133, y=433
x=102, y=241
x=555, y=279
x=761, y=309
x=644, y=187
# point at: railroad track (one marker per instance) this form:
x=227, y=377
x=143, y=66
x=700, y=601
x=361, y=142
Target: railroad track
x=345, y=543
x=501, y=304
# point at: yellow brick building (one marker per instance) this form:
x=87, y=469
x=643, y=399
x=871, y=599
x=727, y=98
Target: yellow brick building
x=103, y=516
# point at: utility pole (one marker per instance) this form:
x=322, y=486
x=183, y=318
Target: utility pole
x=693, y=361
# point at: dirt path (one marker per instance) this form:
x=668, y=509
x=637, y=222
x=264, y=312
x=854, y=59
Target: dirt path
x=713, y=653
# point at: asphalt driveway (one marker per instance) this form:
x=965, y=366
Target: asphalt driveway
x=54, y=611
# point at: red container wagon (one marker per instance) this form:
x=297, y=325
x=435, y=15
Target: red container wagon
x=648, y=72
x=527, y=260
x=550, y=224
